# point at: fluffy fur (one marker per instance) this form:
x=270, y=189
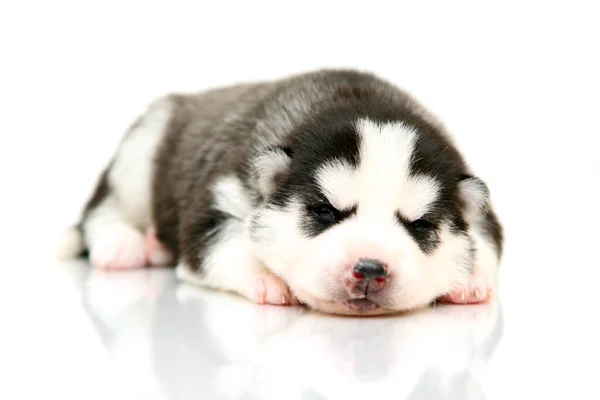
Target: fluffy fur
x=280, y=190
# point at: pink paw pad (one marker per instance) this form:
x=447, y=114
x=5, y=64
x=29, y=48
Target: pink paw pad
x=476, y=290
x=272, y=290
x=468, y=295
x=156, y=253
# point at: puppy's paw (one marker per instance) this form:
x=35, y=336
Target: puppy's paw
x=120, y=247
x=269, y=289
x=478, y=289
x=156, y=253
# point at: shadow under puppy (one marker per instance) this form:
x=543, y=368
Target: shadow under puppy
x=333, y=188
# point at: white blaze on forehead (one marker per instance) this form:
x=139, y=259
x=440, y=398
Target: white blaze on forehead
x=386, y=154
x=381, y=184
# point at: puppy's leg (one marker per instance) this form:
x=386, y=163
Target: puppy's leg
x=483, y=281
x=112, y=241
x=481, y=284
x=119, y=213
x=228, y=264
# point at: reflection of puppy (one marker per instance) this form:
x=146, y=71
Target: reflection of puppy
x=442, y=350
x=332, y=187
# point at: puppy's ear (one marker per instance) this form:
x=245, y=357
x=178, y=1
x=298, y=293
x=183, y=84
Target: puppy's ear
x=475, y=195
x=269, y=167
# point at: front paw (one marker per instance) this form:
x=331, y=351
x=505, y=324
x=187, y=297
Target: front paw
x=269, y=289
x=478, y=289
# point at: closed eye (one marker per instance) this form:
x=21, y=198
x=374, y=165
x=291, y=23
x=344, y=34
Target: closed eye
x=423, y=230
x=324, y=212
x=421, y=225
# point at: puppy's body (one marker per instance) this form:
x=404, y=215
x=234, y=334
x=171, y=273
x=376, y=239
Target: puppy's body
x=334, y=187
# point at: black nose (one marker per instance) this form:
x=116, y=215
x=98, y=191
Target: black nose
x=369, y=269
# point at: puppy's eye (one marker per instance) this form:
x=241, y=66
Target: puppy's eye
x=324, y=212
x=421, y=225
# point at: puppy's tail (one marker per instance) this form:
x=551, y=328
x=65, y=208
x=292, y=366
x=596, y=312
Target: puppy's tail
x=71, y=244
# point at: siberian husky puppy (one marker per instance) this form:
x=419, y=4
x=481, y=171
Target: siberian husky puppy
x=333, y=188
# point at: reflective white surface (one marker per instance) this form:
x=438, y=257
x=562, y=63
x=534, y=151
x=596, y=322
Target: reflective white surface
x=165, y=340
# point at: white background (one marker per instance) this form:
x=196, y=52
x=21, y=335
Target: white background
x=516, y=82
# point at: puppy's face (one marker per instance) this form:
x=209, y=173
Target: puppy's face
x=363, y=218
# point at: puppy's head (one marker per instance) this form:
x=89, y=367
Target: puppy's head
x=362, y=217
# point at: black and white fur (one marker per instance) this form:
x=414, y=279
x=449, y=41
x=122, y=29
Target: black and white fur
x=278, y=190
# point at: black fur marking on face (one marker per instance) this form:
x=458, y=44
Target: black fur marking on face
x=332, y=139
x=323, y=141
x=425, y=231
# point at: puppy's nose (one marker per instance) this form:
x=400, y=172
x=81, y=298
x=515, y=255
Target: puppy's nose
x=370, y=269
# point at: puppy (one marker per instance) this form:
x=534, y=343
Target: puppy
x=332, y=188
